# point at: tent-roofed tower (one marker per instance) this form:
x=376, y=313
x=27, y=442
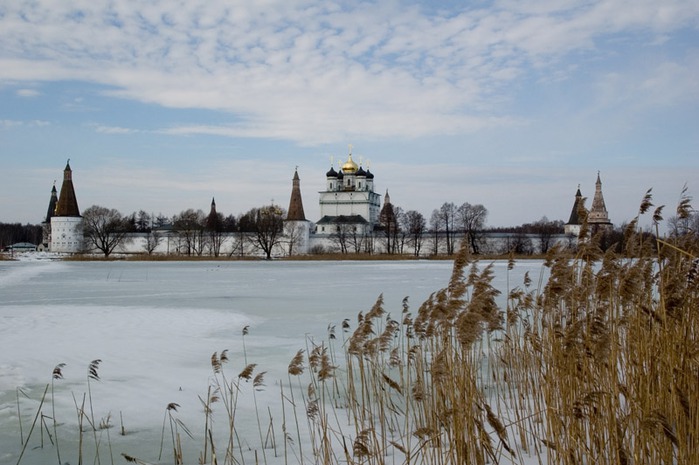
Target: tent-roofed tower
x=46, y=224
x=66, y=223
x=572, y=227
x=295, y=212
x=296, y=227
x=598, y=218
x=67, y=201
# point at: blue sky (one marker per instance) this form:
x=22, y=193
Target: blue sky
x=162, y=105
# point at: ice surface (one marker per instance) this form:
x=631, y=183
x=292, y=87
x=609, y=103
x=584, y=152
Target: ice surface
x=155, y=325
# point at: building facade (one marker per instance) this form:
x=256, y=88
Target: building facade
x=348, y=200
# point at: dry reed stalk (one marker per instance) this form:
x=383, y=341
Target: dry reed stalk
x=56, y=375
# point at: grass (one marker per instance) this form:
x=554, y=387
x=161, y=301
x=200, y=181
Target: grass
x=598, y=363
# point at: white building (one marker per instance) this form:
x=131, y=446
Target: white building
x=66, y=233
x=348, y=199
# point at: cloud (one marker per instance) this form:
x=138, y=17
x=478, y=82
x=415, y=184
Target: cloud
x=7, y=123
x=314, y=72
x=113, y=129
x=28, y=93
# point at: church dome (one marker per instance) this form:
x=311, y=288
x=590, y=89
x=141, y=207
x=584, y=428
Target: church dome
x=332, y=173
x=350, y=166
x=361, y=172
x=369, y=174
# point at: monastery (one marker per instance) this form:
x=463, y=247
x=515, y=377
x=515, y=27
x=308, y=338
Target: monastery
x=350, y=212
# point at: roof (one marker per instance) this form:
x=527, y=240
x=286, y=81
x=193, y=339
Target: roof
x=343, y=219
x=295, y=212
x=52, y=204
x=22, y=246
x=574, y=217
x=67, y=204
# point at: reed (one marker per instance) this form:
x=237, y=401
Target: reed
x=56, y=375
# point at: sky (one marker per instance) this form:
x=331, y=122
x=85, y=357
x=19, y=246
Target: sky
x=163, y=105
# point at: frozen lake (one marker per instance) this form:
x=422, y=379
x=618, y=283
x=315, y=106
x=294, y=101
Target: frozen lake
x=155, y=326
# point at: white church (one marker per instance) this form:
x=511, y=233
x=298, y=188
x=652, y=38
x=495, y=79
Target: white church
x=348, y=207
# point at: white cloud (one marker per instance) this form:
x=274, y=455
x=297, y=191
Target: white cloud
x=313, y=72
x=7, y=123
x=28, y=93
x=113, y=129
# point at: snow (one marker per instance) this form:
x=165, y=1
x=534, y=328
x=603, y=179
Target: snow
x=155, y=325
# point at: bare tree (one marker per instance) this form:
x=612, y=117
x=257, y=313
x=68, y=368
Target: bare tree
x=213, y=226
x=103, y=228
x=519, y=243
x=471, y=220
x=684, y=226
x=443, y=224
x=435, y=228
x=153, y=240
x=266, y=225
x=294, y=233
x=189, y=226
x=341, y=236
x=546, y=231
x=388, y=221
x=415, y=226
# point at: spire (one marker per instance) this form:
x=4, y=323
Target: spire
x=295, y=212
x=52, y=203
x=67, y=204
x=386, y=198
x=598, y=211
x=574, y=216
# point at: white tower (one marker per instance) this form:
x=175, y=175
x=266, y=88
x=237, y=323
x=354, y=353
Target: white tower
x=66, y=224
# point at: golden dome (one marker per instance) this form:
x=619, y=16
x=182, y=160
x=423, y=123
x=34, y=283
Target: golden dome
x=350, y=166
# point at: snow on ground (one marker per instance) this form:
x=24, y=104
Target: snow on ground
x=155, y=325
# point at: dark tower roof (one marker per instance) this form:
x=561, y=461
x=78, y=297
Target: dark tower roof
x=295, y=203
x=52, y=204
x=574, y=217
x=332, y=173
x=67, y=204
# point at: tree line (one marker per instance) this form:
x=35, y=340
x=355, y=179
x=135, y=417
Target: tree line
x=262, y=229
x=12, y=233
x=197, y=233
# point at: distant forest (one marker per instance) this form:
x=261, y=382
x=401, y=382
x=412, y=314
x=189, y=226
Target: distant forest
x=12, y=233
